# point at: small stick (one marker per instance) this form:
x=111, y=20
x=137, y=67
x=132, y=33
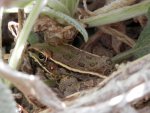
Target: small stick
x=20, y=19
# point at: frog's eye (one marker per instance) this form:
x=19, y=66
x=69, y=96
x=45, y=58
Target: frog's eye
x=41, y=56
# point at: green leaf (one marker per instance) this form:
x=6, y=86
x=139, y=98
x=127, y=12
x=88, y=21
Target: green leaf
x=68, y=19
x=58, y=6
x=16, y=56
x=118, y=14
x=142, y=46
x=7, y=103
x=71, y=5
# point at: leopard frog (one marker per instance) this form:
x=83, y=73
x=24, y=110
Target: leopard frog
x=64, y=59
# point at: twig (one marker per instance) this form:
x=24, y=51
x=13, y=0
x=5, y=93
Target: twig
x=20, y=19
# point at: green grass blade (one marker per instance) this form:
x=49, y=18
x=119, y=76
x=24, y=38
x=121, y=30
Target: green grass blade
x=16, y=56
x=58, y=6
x=71, y=5
x=59, y=15
x=118, y=14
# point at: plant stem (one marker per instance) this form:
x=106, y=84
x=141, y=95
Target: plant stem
x=15, y=59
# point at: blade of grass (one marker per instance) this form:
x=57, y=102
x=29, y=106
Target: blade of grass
x=1, y=17
x=114, y=4
x=71, y=5
x=76, y=24
x=15, y=58
x=58, y=6
x=118, y=14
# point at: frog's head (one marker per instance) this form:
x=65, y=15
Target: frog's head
x=40, y=50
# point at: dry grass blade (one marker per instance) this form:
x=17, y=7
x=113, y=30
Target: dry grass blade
x=120, y=36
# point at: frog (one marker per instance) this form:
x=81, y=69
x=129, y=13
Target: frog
x=72, y=68
x=70, y=58
x=64, y=62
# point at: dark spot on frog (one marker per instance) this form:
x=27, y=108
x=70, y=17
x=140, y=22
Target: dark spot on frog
x=67, y=57
x=107, y=72
x=88, y=57
x=63, y=71
x=80, y=64
x=93, y=64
